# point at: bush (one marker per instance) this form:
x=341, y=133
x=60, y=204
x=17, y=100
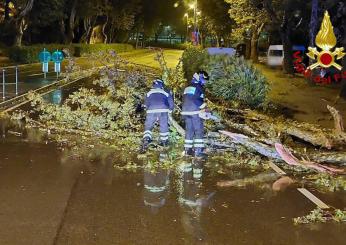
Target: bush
x=107, y=109
x=194, y=58
x=29, y=54
x=86, y=49
x=234, y=79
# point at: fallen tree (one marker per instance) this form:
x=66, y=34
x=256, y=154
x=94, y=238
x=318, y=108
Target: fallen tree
x=270, y=127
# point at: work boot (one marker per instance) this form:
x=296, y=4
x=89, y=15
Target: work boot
x=199, y=153
x=145, y=145
x=188, y=152
x=164, y=143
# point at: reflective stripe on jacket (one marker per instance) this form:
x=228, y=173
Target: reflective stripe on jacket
x=193, y=100
x=159, y=101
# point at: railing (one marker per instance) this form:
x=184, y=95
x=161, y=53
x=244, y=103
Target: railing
x=5, y=84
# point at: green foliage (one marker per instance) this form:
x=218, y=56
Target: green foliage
x=215, y=20
x=321, y=216
x=86, y=49
x=331, y=183
x=235, y=80
x=173, y=77
x=247, y=14
x=109, y=109
x=29, y=54
x=193, y=60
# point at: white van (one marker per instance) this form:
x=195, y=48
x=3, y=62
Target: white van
x=275, y=55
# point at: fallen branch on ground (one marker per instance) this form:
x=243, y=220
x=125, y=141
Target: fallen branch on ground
x=338, y=121
x=279, y=153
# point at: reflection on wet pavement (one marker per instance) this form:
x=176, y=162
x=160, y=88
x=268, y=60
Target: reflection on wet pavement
x=47, y=197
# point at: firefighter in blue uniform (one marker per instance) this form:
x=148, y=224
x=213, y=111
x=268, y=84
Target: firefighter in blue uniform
x=156, y=185
x=193, y=198
x=159, y=103
x=193, y=105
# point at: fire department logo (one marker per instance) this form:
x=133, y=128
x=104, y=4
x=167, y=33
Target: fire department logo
x=326, y=41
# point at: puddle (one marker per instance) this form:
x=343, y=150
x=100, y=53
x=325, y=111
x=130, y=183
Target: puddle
x=48, y=197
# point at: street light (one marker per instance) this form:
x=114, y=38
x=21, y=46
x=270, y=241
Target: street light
x=186, y=15
x=195, y=5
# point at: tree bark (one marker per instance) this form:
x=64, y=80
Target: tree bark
x=247, y=49
x=20, y=26
x=71, y=22
x=287, y=45
x=338, y=121
x=104, y=30
x=313, y=22
x=63, y=30
x=254, y=43
x=266, y=129
x=20, y=22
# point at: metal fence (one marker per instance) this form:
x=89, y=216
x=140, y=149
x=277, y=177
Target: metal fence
x=5, y=83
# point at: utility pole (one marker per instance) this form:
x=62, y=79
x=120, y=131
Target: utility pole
x=195, y=28
x=195, y=16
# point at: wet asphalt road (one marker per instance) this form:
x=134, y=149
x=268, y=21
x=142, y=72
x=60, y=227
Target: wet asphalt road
x=48, y=197
x=31, y=77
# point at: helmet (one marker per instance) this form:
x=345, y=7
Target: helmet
x=201, y=77
x=158, y=83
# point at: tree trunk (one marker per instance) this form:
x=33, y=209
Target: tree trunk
x=88, y=26
x=111, y=32
x=137, y=39
x=254, y=43
x=63, y=30
x=20, y=26
x=287, y=44
x=247, y=49
x=313, y=22
x=104, y=30
x=254, y=51
x=342, y=14
x=20, y=22
x=7, y=9
x=70, y=29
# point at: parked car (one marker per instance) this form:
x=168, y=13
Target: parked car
x=275, y=55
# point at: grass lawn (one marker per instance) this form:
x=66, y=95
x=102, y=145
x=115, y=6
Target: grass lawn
x=305, y=102
x=147, y=57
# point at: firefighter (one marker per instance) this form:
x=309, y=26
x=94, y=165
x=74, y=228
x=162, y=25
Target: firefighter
x=192, y=197
x=159, y=103
x=156, y=185
x=193, y=105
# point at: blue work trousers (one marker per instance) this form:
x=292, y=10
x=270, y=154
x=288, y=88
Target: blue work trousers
x=150, y=122
x=194, y=135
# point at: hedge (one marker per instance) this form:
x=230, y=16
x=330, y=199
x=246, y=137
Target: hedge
x=29, y=54
x=194, y=58
x=232, y=79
